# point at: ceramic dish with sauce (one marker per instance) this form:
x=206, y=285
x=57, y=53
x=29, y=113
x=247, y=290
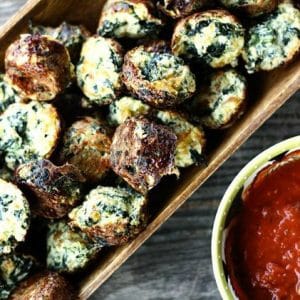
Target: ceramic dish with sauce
x=255, y=240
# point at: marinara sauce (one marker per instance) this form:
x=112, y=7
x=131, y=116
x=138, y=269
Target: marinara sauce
x=262, y=248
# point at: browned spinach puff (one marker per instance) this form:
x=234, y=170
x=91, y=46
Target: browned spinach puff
x=56, y=189
x=113, y=215
x=99, y=70
x=177, y=8
x=222, y=102
x=133, y=19
x=38, y=67
x=212, y=37
x=156, y=76
x=252, y=8
x=46, y=285
x=86, y=145
x=142, y=152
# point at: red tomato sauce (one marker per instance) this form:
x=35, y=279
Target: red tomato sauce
x=262, y=249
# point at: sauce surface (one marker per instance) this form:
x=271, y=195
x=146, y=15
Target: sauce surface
x=262, y=249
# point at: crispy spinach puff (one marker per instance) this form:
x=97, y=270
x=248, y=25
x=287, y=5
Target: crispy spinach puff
x=214, y=38
x=13, y=269
x=190, y=138
x=142, y=152
x=14, y=216
x=275, y=41
x=126, y=107
x=222, y=102
x=68, y=250
x=156, y=76
x=28, y=132
x=56, y=189
x=177, y=8
x=44, y=286
x=86, y=145
x=99, y=70
x=113, y=215
x=38, y=67
x=8, y=95
x=132, y=19
x=253, y=8
x=71, y=36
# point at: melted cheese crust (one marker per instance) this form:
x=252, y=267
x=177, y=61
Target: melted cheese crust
x=126, y=107
x=110, y=207
x=213, y=37
x=128, y=19
x=67, y=250
x=99, y=70
x=28, y=131
x=274, y=41
x=218, y=104
x=14, y=216
x=190, y=139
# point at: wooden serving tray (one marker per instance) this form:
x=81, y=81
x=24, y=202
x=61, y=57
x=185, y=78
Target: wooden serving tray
x=268, y=92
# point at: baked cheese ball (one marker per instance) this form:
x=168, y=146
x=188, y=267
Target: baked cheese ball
x=112, y=215
x=38, y=67
x=214, y=38
x=13, y=269
x=142, y=152
x=68, y=250
x=15, y=214
x=8, y=95
x=252, y=8
x=27, y=132
x=129, y=19
x=126, y=107
x=56, y=189
x=71, y=36
x=44, y=286
x=275, y=41
x=156, y=76
x=190, y=139
x=177, y=8
x=223, y=101
x=99, y=70
x=86, y=145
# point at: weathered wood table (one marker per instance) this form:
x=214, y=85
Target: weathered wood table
x=175, y=263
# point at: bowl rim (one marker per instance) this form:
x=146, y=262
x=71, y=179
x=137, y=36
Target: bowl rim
x=229, y=196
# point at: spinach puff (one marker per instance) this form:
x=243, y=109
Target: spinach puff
x=71, y=36
x=190, y=139
x=86, y=145
x=129, y=19
x=15, y=215
x=223, y=101
x=212, y=37
x=56, y=189
x=156, y=76
x=27, y=132
x=8, y=95
x=99, y=70
x=38, y=67
x=112, y=215
x=177, y=8
x=252, y=8
x=126, y=107
x=13, y=269
x=68, y=250
x=142, y=152
x=275, y=41
x=47, y=286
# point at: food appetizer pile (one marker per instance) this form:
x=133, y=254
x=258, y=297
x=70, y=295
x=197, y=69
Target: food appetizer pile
x=91, y=122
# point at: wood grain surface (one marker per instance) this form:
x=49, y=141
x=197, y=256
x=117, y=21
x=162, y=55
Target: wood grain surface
x=175, y=262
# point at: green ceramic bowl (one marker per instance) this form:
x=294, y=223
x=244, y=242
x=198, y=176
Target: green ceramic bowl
x=227, y=204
